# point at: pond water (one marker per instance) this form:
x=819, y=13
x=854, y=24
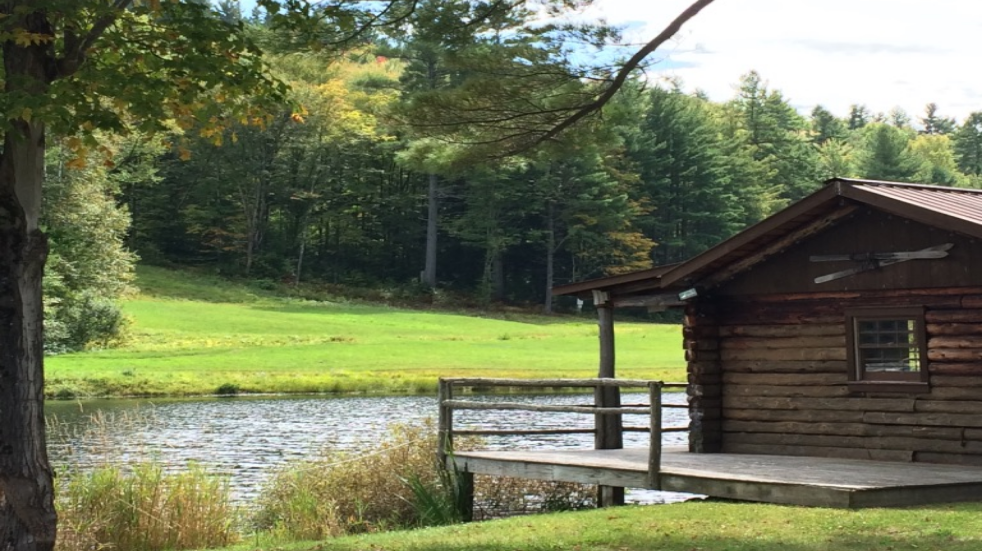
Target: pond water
x=247, y=438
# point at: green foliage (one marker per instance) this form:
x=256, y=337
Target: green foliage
x=89, y=267
x=886, y=154
x=968, y=145
x=685, y=177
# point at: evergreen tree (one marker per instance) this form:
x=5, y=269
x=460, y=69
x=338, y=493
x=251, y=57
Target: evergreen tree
x=934, y=124
x=886, y=154
x=776, y=134
x=826, y=126
x=968, y=145
x=684, y=177
x=859, y=116
x=837, y=159
x=899, y=118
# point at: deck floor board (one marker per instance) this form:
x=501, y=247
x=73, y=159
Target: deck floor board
x=773, y=478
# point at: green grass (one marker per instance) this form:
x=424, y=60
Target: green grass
x=192, y=334
x=692, y=526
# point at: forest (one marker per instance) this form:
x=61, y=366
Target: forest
x=378, y=170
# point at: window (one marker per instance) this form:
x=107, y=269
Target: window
x=887, y=350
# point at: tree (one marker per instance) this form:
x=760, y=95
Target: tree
x=837, y=158
x=777, y=136
x=88, y=64
x=89, y=267
x=859, y=116
x=826, y=126
x=684, y=177
x=937, y=159
x=968, y=145
x=934, y=124
x=886, y=154
x=182, y=57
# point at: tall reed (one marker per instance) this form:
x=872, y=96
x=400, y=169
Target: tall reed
x=342, y=492
x=143, y=508
x=105, y=501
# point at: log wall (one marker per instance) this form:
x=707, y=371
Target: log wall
x=700, y=333
x=770, y=375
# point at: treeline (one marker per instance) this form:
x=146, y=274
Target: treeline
x=369, y=176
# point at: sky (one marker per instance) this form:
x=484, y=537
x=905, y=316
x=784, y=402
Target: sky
x=881, y=53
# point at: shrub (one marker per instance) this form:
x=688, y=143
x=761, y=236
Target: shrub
x=342, y=492
x=83, y=321
x=396, y=484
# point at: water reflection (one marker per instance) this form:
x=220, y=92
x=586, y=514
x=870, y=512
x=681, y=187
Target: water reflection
x=247, y=438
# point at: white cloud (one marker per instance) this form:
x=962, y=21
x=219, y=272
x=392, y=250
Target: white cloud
x=881, y=53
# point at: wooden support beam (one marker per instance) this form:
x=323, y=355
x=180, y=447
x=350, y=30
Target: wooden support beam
x=663, y=300
x=609, y=434
x=465, y=495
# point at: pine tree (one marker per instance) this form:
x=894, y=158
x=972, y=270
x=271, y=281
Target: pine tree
x=934, y=124
x=826, y=126
x=859, y=116
x=968, y=145
x=886, y=154
x=684, y=177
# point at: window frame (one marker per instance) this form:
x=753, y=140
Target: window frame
x=861, y=380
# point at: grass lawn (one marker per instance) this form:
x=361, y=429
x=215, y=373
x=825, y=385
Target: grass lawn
x=693, y=526
x=193, y=335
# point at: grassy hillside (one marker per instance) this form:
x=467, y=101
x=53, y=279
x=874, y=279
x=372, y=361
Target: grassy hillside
x=193, y=335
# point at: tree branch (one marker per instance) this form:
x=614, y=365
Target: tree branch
x=625, y=71
x=76, y=48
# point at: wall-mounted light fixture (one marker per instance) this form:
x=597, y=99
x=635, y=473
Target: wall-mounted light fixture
x=689, y=294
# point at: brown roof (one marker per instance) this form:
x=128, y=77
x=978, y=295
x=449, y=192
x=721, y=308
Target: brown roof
x=953, y=209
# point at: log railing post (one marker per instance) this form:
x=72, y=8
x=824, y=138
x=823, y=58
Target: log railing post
x=445, y=421
x=654, y=446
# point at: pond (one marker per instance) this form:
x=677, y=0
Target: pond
x=247, y=438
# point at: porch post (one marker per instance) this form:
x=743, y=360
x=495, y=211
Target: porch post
x=609, y=434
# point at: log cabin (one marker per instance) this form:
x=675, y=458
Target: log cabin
x=848, y=325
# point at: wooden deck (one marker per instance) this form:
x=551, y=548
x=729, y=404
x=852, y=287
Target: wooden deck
x=811, y=481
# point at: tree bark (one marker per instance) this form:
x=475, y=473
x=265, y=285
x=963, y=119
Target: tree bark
x=550, y=256
x=432, y=212
x=27, y=513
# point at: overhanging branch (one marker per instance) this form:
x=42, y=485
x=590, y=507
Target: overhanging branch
x=625, y=71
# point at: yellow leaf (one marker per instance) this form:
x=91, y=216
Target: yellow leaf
x=184, y=153
x=26, y=114
x=78, y=163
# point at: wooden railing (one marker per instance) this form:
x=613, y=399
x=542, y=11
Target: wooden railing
x=448, y=404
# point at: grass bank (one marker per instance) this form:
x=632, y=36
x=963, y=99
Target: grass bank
x=194, y=335
x=689, y=526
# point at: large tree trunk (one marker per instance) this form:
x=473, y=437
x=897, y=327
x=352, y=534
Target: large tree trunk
x=27, y=513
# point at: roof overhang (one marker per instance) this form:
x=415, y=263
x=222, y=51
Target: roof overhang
x=954, y=209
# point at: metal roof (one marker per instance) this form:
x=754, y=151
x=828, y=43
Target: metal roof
x=954, y=209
